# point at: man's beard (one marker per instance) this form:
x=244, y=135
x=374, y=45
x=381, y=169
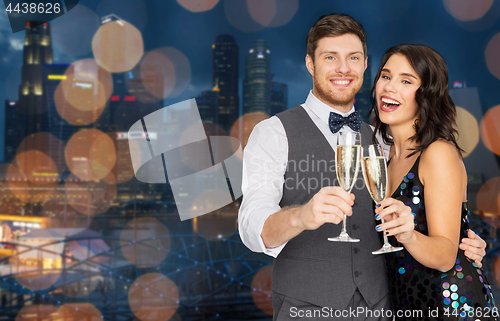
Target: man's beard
x=333, y=98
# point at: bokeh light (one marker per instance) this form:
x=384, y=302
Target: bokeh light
x=71, y=114
x=46, y=143
x=488, y=199
x=165, y=72
x=262, y=11
x=68, y=35
x=261, y=290
x=90, y=154
x=37, y=312
x=490, y=129
x=37, y=268
x=90, y=197
x=145, y=242
x=82, y=96
x=285, y=11
x=272, y=13
x=133, y=11
x=117, y=46
x=78, y=312
x=87, y=86
x=467, y=10
x=153, y=297
x=238, y=15
x=32, y=177
x=135, y=84
x=198, y=5
x=243, y=127
x=468, y=131
x=492, y=55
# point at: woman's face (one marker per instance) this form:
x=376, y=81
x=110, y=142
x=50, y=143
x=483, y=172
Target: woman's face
x=395, y=92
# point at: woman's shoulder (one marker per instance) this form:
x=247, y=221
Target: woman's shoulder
x=440, y=158
x=439, y=151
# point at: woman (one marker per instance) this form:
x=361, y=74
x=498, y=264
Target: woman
x=427, y=178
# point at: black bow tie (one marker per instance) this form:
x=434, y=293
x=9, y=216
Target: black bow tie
x=336, y=121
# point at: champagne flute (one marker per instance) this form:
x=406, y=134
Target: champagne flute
x=375, y=174
x=347, y=159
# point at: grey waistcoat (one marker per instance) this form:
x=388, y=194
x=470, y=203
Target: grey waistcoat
x=311, y=268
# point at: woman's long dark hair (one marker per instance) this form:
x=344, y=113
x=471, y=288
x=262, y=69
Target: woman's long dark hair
x=437, y=112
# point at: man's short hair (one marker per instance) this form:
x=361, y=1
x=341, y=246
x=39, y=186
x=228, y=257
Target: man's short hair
x=334, y=25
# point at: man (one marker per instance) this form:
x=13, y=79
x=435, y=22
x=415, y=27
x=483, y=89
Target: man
x=289, y=192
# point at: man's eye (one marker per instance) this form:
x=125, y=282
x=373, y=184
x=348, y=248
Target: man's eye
x=354, y=58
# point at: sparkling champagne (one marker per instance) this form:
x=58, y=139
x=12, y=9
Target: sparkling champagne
x=348, y=165
x=375, y=174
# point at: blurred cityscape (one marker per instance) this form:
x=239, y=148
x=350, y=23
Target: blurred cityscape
x=82, y=239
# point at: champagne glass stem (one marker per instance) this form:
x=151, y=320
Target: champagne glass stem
x=344, y=227
x=386, y=240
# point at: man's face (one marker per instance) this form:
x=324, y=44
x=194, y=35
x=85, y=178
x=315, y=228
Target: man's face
x=337, y=70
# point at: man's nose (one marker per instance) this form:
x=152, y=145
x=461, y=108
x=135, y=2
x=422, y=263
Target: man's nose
x=343, y=67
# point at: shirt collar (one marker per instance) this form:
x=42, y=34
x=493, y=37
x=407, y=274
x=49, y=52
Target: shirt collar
x=321, y=109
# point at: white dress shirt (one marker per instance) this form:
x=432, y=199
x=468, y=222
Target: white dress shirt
x=265, y=159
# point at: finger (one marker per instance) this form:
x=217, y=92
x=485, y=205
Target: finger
x=476, y=258
x=335, y=210
x=394, y=208
x=339, y=202
x=473, y=245
x=387, y=202
x=396, y=226
x=398, y=230
x=338, y=191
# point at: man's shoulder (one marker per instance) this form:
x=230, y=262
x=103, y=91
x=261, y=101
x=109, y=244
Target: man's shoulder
x=290, y=111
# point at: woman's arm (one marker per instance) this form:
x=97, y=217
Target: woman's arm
x=442, y=172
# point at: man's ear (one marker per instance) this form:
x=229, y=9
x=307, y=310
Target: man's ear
x=366, y=62
x=310, y=65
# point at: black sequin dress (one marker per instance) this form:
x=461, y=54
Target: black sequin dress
x=422, y=293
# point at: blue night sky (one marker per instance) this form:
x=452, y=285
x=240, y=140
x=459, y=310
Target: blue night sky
x=166, y=23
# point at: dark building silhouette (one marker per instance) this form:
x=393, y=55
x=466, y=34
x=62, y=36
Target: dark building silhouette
x=37, y=52
x=51, y=121
x=207, y=104
x=225, y=77
x=279, y=97
x=12, y=133
x=362, y=102
x=257, y=82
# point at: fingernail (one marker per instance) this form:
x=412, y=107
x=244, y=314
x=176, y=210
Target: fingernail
x=378, y=205
x=386, y=233
x=378, y=228
x=377, y=216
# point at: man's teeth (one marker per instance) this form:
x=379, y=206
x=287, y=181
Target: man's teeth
x=341, y=82
x=390, y=101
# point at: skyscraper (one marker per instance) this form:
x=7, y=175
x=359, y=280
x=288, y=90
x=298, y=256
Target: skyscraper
x=52, y=121
x=362, y=103
x=37, y=52
x=279, y=97
x=257, y=82
x=12, y=133
x=225, y=77
x=207, y=104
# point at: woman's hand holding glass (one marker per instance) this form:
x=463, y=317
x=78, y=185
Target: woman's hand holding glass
x=398, y=219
